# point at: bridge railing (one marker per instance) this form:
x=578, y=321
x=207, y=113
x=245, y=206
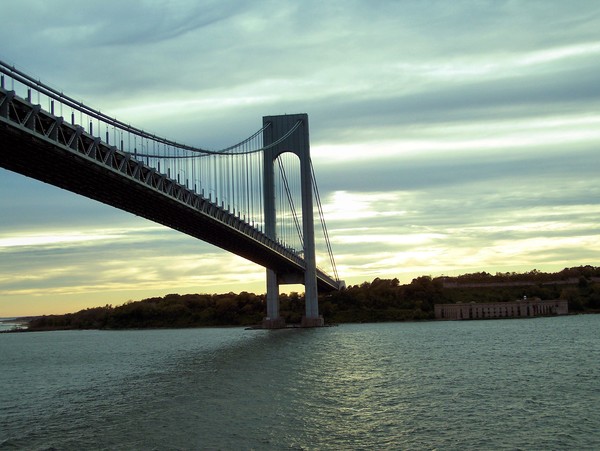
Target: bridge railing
x=201, y=170
x=94, y=121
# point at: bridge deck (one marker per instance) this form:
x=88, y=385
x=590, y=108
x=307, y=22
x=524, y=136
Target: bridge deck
x=42, y=146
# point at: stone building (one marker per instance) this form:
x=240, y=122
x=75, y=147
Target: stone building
x=516, y=309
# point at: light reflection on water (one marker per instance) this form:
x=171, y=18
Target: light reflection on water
x=529, y=384
x=10, y=324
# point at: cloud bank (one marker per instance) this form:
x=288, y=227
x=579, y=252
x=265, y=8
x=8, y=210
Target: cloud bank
x=446, y=136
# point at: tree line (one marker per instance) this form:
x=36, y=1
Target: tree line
x=375, y=301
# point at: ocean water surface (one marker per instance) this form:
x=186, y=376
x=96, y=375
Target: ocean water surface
x=531, y=384
x=10, y=324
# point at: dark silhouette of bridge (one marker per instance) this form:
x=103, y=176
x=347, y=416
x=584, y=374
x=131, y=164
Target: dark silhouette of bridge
x=241, y=198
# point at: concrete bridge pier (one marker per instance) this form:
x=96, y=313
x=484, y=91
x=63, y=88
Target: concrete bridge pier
x=273, y=320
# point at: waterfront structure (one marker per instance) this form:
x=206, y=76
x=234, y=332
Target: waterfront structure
x=516, y=309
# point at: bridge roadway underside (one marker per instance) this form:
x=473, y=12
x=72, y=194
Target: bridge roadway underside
x=34, y=157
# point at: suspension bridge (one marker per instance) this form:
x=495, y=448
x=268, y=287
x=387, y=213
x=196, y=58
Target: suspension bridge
x=255, y=198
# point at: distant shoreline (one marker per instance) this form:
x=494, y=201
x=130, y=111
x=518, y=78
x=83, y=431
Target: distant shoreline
x=17, y=324
x=382, y=300
x=288, y=326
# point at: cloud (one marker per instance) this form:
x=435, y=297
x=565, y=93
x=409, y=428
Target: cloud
x=446, y=136
x=475, y=171
x=108, y=260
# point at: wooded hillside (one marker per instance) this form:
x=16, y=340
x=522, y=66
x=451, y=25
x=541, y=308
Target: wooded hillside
x=378, y=300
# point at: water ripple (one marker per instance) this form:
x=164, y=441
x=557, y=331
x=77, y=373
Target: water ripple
x=511, y=384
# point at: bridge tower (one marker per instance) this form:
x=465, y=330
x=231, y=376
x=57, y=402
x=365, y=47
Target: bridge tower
x=297, y=143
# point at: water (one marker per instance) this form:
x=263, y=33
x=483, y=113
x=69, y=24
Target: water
x=506, y=384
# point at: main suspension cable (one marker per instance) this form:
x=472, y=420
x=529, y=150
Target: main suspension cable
x=322, y=218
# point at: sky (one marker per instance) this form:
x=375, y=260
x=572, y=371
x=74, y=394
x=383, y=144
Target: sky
x=447, y=137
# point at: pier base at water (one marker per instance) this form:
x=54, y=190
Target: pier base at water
x=273, y=323
x=312, y=322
